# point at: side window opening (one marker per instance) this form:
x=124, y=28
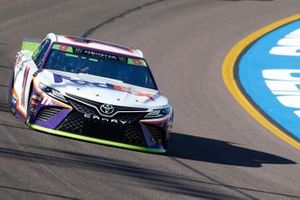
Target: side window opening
x=40, y=52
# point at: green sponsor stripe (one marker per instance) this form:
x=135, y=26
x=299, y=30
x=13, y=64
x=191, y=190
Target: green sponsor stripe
x=58, y=47
x=96, y=140
x=131, y=62
x=92, y=59
x=71, y=55
x=30, y=46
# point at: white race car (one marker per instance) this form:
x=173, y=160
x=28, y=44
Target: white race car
x=90, y=90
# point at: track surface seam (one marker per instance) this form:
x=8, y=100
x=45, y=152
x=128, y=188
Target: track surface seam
x=121, y=15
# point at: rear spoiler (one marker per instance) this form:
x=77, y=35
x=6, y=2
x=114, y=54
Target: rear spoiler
x=30, y=44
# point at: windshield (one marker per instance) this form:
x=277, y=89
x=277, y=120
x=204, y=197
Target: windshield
x=80, y=60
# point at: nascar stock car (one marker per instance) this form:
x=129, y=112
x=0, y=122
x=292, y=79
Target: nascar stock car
x=90, y=90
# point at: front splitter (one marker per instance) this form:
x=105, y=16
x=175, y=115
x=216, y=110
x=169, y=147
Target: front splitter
x=98, y=141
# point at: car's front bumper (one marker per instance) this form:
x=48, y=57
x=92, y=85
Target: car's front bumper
x=71, y=121
x=98, y=141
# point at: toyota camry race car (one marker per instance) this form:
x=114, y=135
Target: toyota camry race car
x=90, y=90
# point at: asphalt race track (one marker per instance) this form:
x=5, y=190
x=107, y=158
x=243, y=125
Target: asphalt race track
x=217, y=151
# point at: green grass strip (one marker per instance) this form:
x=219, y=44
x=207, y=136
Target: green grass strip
x=30, y=46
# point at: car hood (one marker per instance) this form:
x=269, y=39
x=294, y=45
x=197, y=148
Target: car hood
x=102, y=90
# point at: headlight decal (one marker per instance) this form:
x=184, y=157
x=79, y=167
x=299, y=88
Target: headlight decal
x=158, y=113
x=52, y=92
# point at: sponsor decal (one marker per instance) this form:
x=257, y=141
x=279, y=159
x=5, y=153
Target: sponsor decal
x=62, y=47
x=138, y=62
x=109, y=86
x=269, y=72
x=25, y=77
x=96, y=56
x=107, y=109
x=46, y=101
x=92, y=117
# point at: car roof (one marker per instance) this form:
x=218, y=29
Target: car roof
x=96, y=44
